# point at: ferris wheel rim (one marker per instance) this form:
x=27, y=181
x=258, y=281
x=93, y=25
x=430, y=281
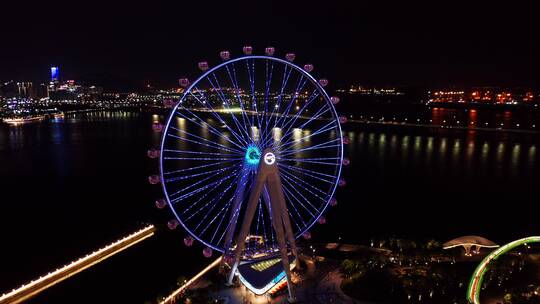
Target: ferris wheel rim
x=204, y=75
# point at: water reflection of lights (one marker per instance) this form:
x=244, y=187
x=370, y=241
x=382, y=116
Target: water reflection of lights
x=181, y=123
x=516, y=151
x=382, y=142
x=532, y=155
x=297, y=133
x=255, y=134
x=468, y=154
x=500, y=152
x=276, y=134
x=456, y=150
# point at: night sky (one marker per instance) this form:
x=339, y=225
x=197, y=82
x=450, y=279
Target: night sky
x=349, y=41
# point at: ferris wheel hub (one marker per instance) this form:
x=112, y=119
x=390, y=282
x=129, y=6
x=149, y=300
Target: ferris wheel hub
x=269, y=158
x=253, y=155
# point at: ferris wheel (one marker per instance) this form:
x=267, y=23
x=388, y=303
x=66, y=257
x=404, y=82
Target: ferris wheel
x=237, y=117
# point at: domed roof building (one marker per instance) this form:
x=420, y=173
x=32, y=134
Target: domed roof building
x=471, y=243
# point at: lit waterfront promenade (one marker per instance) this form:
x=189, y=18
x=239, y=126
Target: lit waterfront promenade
x=34, y=287
x=173, y=296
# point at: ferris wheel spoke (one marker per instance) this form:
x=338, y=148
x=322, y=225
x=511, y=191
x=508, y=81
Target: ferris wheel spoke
x=294, y=220
x=196, y=167
x=309, y=161
x=198, y=152
x=187, y=195
x=325, y=145
x=216, y=115
x=234, y=80
x=296, y=212
x=202, y=144
x=196, y=203
x=183, y=177
x=283, y=116
x=293, y=185
x=266, y=201
x=290, y=143
x=199, y=200
x=226, y=102
x=205, y=142
x=207, y=226
x=327, y=127
x=234, y=83
x=284, y=82
x=251, y=76
x=200, y=158
x=307, y=186
x=306, y=170
x=204, y=124
x=288, y=126
x=296, y=151
x=221, y=220
x=224, y=232
x=268, y=236
x=279, y=98
x=286, y=185
x=214, y=201
x=311, y=175
x=197, y=190
x=316, y=116
x=267, y=222
x=299, y=87
x=259, y=217
x=219, y=118
x=237, y=211
x=201, y=181
x=261, y=225
x=227, y=227
x=313, y=118
x=267, y=95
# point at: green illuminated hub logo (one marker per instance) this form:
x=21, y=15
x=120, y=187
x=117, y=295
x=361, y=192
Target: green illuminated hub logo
x=253, y=155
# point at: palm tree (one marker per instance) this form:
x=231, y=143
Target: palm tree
x=433, y=244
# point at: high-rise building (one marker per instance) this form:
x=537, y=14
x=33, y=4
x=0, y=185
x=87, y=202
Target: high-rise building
x=55, y=73
x=25, y=89
x=55, y=79
x=42, y=90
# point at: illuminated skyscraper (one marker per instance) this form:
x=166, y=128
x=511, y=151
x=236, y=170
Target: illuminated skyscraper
x=54, y=74
x=55, y=79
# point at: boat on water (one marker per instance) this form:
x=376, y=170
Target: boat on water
x=59, y=115
x=21, y=120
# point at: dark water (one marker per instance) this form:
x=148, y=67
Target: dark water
x=440, y=183
x=74, y=185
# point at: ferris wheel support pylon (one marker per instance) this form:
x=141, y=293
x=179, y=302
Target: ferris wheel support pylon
x=238, y=195
x=268, y=177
